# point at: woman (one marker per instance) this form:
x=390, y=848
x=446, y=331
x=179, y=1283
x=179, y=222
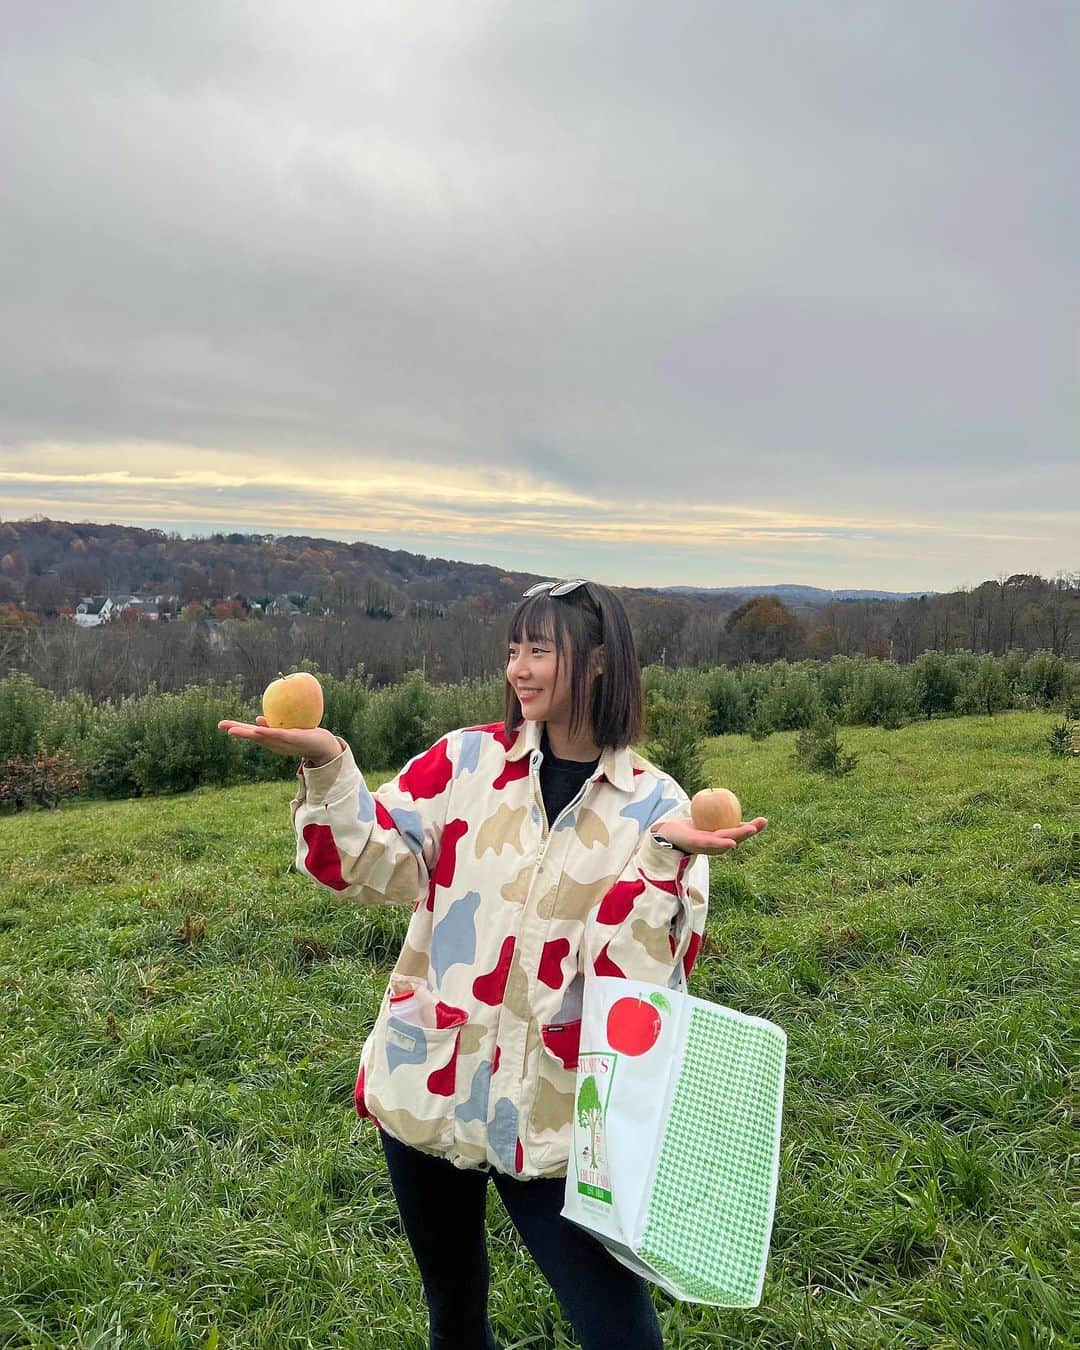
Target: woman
x=535, y=851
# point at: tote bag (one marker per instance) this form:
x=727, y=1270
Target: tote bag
x=676, y=1138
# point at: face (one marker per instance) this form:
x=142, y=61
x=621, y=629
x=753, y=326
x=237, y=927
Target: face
x=530, y=668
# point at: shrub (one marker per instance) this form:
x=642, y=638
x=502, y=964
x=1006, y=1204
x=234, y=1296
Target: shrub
x=727, y=709
x=984, y=690
x=818, y=749
x=935, y=684
x=1044, y=678
x=676, y=731
x=792, y=702
x=24, y=711
x=879, y=695
x=347, y=706
x=1062, y=738
x=467, y=704
x=835, y=679
x=399, y=717
x=41, y=778
x=171, y=743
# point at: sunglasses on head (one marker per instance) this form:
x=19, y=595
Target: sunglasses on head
x=555, y=587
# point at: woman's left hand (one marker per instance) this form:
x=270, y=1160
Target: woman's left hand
x=684, y=834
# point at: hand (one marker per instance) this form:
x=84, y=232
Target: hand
x=318, y=744
x=685, y=834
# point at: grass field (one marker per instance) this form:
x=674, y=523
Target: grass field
x=181, y=1015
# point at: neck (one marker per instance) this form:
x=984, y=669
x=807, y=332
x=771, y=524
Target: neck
x=582, y=747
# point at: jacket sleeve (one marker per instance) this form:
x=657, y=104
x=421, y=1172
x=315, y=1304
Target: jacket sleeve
x=650, y=924
x=378, y=848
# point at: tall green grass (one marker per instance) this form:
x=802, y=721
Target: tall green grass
x=181, y=1015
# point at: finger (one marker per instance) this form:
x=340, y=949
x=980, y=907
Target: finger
x=708, y=841
x=261, y=722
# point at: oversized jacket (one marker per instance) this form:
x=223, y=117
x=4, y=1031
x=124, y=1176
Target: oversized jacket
x=474, y=1049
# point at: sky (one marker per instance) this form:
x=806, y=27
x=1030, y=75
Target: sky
x=702, y=294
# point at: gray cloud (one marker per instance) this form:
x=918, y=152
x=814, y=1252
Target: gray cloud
x=741, y=254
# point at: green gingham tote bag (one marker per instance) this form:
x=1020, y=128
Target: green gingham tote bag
x=676, y=1138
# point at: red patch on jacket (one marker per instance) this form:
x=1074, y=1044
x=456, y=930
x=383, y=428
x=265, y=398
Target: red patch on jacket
x=453, y=832
x=495, y=1060
x=604, y=965
x=441, y=1082
x=551, y=959
x=497, y=730
x=446, y=1015
x=490, y=988
x=322, y=859
x=564, y=1042
x=428, y=775
x=383, y=816
x=619, y=901
x=512, y=770
x=670, y=887
x=358, y=1097
x=519, y=1157
x=692, y=949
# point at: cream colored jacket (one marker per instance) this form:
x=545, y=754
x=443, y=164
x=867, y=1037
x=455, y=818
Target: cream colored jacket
x=474, y=1049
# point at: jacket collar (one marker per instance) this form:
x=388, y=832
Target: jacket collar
x=614, y=765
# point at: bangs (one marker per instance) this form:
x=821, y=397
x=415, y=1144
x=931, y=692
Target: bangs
x=540, y=619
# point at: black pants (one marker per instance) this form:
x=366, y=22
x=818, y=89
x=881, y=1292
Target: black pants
x=442, y=1208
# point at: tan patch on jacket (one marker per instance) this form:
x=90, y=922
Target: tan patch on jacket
x=590, y=828
x=517, y=891
x=654, y=940
x=470, y=1039
x=403, y=1124
x=552, y=1110
x=516, y=996
x=412, y=962
x=404, y=880
x=503, y=828
x=573, y=899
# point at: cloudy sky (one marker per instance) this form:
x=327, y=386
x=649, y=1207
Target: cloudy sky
x=708, y=292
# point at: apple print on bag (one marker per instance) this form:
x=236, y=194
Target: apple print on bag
x=633, y=1024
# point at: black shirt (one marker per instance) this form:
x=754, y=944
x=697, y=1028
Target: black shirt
x=561, y=779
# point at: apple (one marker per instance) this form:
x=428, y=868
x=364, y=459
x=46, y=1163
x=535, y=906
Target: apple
x=633, y=1026
x=293, y=701
x=715, y=809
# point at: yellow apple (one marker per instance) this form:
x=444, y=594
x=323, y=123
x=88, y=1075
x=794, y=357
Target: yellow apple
x=293, y=701
x=715, y=809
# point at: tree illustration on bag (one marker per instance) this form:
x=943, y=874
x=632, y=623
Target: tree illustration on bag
x=590, y=1114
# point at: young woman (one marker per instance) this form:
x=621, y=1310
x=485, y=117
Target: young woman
x=535, y=852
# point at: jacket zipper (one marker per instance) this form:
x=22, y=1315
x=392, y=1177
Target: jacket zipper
x=539, y=799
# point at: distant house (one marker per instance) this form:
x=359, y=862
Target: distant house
x=94, y=610
x=282, y=607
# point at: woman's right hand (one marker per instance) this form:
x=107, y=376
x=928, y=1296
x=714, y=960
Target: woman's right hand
x=318, y=745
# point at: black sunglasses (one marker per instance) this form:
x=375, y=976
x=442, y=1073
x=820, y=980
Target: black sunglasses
x=555, y=587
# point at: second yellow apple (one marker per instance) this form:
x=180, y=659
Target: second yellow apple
x=293, y=701
x=715, y=809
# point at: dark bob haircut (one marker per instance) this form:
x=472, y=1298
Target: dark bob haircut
x=589, y=617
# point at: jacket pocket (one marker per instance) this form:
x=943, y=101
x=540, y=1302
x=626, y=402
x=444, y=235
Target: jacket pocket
x=410, y=1066
x=549, y=1129
x=562, y=1041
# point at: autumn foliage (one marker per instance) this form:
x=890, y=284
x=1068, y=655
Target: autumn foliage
x=44, y=779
